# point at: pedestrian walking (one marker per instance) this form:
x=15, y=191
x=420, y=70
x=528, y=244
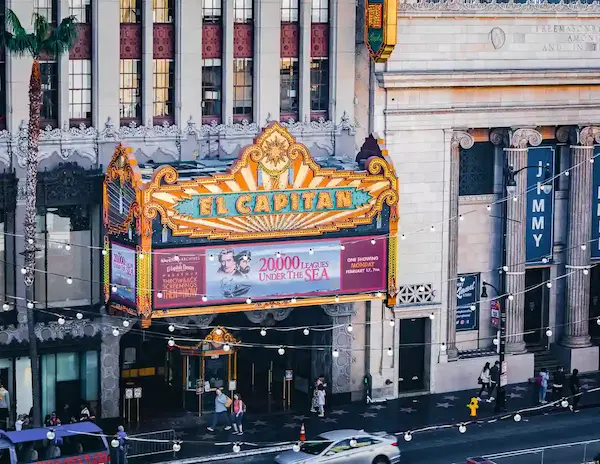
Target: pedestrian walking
x=494, y=379
x=121, y=451
x=542, y=383
x=239, y=409
x=484, y=379
x=321, y=400
x=575, y=389
x=558, y=383
x=314, y=407
x=222, y=404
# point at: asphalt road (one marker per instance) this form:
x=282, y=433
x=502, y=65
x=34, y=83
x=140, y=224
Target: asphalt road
x=498, y=439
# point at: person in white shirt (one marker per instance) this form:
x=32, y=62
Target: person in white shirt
x=321, y=400
x=484, y=379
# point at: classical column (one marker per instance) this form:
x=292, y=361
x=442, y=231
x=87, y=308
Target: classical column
x=576, y=333
x=110, y=393
x=147, y=63
x=341, y=340
x=62, y=65
x=460, y=140
x=516, y=217
x=227, y=64
x=188, y=62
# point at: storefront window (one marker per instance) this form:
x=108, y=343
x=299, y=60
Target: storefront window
x=193, y=371
x=70, y=379
x=64, y=240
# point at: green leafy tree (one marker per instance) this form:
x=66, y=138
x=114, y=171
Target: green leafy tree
x=45, y=41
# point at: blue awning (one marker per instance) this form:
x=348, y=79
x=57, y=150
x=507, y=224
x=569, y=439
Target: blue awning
x=60, y=431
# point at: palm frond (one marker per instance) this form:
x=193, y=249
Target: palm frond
x=62, y=38
x=14, y=37
x=12, y=23
x=41, y=27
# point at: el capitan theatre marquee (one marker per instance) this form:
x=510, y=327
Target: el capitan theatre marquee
x=271, y=229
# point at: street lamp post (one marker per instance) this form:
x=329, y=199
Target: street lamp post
x=510, y=187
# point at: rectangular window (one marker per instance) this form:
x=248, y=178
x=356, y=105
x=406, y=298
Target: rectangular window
x=59, y=226
x=476, y=169
x=319, y=85
x=164, y=77
x=49, y=74
x=211, y=11
x=319, y=11
x=45, y=8
x=130, y=94
x=242, y=88
x=290, y=11
x=290, y=83
x=81, y=9
x=211, y=88
x=162, y=11
x=242, y=11
x=131, y=11
x=80, y=89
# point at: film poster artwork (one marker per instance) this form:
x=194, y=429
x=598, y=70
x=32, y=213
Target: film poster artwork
x=179, y=277
x=122, y=273
x=295, y=269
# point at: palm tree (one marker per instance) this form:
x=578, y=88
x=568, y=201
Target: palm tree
x=45, y=41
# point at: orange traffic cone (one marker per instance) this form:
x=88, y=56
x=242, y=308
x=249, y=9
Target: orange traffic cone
x=302, y=432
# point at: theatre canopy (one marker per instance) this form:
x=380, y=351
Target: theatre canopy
x=270, y=229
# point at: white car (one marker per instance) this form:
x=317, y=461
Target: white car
x=345, y=447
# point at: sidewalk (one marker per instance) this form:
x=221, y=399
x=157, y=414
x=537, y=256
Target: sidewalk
x=392, y=416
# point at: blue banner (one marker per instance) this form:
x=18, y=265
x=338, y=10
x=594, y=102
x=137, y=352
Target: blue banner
x=595, y=244
x=467, y=302
x=539, y=225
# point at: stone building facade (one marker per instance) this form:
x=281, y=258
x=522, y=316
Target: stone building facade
x=471, y=88
x=182, y=81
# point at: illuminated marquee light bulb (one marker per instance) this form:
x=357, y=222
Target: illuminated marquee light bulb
x=114, y=289
x=584, y=246
x=373, y=241
x=115, y=332
x=342, y=247
x=432, y=229
x=511, y=297
x=263, y=332
x=79, y=316
x=104, y=252
x=6, y=307
x=171, y=328
x=125, y=323
x=432, y=316
x=204, y=298
x=335, y=353
x=293, y=300
x=462, y=279
x=23, y=271
x=349, y=328
x=278, y=254
x=69, y=280
x=549, y=284
x=306, y=331
x=219, y=331
x=61, y=321
x=171, y=342
x=337, y=299
x=505, y=268
x=30, y=304
x=586, y=272
x=226, y=347
x=515, y=198
x=403, y=237
x=567, y=173
x=211, y=257
x=311, y=251
x=68, y=247
x=443, y=347
x=488, y=207
x=248, y=300
x=281, y=351
x=462, y=428
x=390, y=352
x=379, y=294
x=159, y=295
x=460, y=217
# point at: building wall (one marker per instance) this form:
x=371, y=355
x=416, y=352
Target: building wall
x=461, y=66
x=188, y=138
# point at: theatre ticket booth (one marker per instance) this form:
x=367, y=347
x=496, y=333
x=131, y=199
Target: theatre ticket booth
x=207, y=366
x=272, y=230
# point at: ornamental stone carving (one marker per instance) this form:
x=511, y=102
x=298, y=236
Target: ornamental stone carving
x=500, y=137
x=200, y=321
x=462, y=139
x=268, y=316
x=566, y=134
x=589, y=136
x=522, y=138
x=496, y=7
x=339, y=309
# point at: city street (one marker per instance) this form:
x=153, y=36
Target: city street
x=449, y=446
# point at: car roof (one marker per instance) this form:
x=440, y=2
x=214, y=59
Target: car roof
x=342, y=434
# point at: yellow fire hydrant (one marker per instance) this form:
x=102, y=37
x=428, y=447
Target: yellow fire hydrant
x=473, y=406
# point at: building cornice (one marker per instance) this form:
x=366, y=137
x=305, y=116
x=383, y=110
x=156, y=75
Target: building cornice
x=487, y=78
x=496, y=9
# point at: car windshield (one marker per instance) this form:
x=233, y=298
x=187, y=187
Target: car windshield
x=318, y=447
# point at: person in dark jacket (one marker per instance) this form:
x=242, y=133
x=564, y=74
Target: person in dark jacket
x=574, y=388
x=558, y=383
x=494, y=380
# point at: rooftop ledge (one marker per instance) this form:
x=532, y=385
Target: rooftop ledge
x=499, y=8
x=406, y=79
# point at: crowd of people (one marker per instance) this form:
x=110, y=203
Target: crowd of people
x=557, y=383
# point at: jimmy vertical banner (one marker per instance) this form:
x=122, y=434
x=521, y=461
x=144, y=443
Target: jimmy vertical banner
x=595, y=244
x=540, y=206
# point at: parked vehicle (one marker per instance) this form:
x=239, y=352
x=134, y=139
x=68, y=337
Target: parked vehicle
x=345, y=447
x=72, y=443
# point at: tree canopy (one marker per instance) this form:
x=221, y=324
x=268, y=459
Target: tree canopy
x=44, y=40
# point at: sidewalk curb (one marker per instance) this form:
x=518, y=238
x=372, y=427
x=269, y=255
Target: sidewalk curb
x=226, y=456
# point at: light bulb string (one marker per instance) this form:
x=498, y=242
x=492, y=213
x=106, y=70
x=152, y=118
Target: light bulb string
x=202, y=295
x=496, y=418
x=165, y=252
x=319, y=327
x=161, y=336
